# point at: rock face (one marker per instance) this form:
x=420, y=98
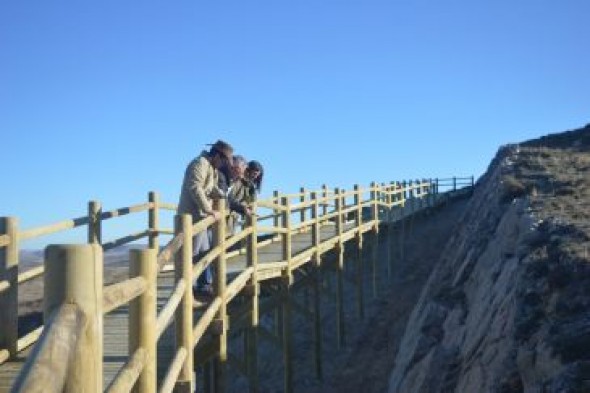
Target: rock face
x=507, y=308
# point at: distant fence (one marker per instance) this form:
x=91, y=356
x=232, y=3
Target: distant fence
x=73, y=309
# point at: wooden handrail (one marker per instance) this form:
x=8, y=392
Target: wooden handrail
x=269, y=229
x=270, y=205
x=205, y=320
x=169, y=250
x=165, y=316
x=168, y=206
x=31, y=274
x=125, y=239
x=116, y=295
x=268, y=216
x=42, y=371
x=30, y=338
x=203, y=224
x=173, y=371
x=4, y=285
x=383, y=197
x=230, y=241
x=238, y=283
x=123, y=211
x=52, y=228
x=128, y=375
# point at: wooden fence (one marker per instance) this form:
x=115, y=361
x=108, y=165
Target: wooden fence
x=69, y=346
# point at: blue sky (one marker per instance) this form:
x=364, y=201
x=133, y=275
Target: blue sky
x=109, y=100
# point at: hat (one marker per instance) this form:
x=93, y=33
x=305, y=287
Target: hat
x=222, y=147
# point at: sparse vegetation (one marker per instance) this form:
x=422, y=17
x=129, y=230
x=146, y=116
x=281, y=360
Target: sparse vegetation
x=512, y=188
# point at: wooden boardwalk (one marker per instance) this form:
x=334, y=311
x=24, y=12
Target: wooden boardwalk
x=334, y=219
x=116, y=322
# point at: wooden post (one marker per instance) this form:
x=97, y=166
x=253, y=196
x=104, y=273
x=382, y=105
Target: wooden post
x=142, y=317
x=303, y=217
x=277, y=213
x=287, y=240
x=252, y=333
x=433, y=192
x=375, y=205
x=419, y=194
x=428, y=190
x=317, y=265
x=154, y=222
x=403, y=223
x=411, y=196
x=220, y=362
x=302, y=213
x=73, y=274
x=324, y=196
x=375, y=244
x=389, y=221
x=183, y=319
x=94, y=222
x=286, y=292
x=404, y=194
x=413, y=207
x=9, y=298
x=340, y=325
x=454, y=183
x=383, y=199
x=358, y=200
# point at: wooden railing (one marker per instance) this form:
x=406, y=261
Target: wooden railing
x=365, y=207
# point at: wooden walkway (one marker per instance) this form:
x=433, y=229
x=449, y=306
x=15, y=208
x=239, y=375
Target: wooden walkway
x=116, y=322
x=216, y=321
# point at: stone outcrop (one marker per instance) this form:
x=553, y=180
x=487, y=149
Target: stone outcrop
x=507, y=308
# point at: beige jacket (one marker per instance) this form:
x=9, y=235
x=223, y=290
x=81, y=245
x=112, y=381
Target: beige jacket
x=199, y=188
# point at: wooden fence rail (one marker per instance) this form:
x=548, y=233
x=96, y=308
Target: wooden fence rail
x=351, y=213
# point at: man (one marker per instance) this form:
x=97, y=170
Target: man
x=199, y=188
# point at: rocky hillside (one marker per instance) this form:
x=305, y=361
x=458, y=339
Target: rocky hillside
x=507, y=309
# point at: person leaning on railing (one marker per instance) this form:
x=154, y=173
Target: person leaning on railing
x=199, y=188
x=244, y=190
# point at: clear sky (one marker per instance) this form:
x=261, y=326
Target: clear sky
x=108, y=100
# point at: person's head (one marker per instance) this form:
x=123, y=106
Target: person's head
x=239, y=165
x=255, y=172
x=220, y=154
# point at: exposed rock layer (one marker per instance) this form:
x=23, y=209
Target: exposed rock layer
x=507, y=307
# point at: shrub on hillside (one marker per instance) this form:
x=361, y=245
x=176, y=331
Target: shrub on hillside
x=512, y=188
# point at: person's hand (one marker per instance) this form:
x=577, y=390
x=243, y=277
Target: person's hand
x=248, y=211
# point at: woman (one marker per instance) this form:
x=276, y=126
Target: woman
x=244, y=191
x=255, y=173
